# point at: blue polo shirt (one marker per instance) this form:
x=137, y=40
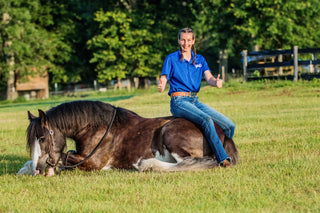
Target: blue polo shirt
x=184, y=76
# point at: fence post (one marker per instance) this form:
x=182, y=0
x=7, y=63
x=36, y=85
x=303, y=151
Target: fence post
x=223, y=64
x=95, y=85
x=223, y=74
x=244, y=65
x=280, y=69
x=295, y=63
x=56, y=88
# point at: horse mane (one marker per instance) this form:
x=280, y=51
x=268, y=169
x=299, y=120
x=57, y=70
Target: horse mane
x=79, y=114
x=32, y=133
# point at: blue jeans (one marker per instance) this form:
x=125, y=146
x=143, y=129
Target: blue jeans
x=192, y=109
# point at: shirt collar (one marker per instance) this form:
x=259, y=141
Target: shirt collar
x=192, y=55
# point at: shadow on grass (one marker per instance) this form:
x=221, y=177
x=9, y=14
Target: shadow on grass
x=46, y=103
x=11, y=164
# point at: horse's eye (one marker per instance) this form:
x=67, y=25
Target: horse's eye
x=41, y=139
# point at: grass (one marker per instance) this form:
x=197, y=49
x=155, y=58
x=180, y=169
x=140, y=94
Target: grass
x=277, y=134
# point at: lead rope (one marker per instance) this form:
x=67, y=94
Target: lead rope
x=95, y=149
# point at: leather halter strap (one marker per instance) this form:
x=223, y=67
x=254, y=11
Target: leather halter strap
x=50, y=160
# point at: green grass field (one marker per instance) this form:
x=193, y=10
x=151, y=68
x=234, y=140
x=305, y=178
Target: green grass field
x=277, y=134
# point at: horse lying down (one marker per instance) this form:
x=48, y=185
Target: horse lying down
x=109, y=137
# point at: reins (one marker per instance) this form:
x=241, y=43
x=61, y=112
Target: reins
x=94, y=150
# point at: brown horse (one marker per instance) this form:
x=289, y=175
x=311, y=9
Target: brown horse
x=109, y=137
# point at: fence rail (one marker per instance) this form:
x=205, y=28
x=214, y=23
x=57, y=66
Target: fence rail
x=259, y=55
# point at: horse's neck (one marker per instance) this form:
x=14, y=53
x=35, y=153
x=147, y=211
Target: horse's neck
x=76, y=134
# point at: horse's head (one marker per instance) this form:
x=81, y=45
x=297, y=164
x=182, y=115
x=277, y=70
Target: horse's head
x=45, y=142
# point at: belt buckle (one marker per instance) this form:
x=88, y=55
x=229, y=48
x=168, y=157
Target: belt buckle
x=192, y=94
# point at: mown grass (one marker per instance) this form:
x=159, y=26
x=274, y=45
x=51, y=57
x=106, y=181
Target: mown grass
x=277, y=134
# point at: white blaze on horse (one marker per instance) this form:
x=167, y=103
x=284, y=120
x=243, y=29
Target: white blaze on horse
x=108, y=137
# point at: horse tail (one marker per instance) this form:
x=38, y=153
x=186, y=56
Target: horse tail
x=185, y=164
x=195, y=164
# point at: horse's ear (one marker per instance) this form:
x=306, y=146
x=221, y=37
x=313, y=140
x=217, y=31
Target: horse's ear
x=30, y=116
x=43, y=117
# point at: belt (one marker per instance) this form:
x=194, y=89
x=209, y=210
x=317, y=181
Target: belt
x=190, y=94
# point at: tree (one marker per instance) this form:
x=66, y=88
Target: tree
x=238, y=24
x=279, y=24
x=121, y=49
x=73, y=24
x=134, y=39
x=25, y=47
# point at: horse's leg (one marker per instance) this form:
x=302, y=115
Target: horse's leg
x=185, y=139
x=228, y=144
x=231, y=150
x=178, y=146
x=186, y=143
x=71, y=159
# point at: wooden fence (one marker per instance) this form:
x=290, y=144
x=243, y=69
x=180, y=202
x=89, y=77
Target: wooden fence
x=256, y=56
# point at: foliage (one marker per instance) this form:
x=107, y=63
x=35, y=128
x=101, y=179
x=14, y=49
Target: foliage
x=256, y=73
x=130, y=43
x=268, y=24
x=78, y=41
x=121, y=50
x=25, y=47
x=69, y=25
x=236, y=25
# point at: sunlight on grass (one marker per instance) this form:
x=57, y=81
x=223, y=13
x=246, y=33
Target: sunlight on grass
x=277, y=134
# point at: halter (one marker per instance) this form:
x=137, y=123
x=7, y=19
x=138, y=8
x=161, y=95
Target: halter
x=50, y=160
x=51, y=145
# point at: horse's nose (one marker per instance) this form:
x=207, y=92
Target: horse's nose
x=39, y=171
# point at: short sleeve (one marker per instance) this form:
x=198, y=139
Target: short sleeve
x=205, y=65
x=167, y=67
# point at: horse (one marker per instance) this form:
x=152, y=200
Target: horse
x=108, y=137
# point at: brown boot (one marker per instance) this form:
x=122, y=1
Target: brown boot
x=226, y=164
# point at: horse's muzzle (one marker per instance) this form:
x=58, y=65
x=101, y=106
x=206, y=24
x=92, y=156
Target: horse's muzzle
x=41, y=165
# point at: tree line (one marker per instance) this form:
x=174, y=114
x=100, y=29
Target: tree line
x=83, y=40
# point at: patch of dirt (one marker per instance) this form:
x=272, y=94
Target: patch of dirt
x=235, y=92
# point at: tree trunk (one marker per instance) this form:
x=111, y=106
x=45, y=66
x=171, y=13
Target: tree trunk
x=11, y=91
x=223, y=64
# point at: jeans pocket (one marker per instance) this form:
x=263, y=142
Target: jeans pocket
x=177, y=104
x=178, y=100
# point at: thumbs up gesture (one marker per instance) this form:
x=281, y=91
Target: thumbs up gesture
x=219, y=82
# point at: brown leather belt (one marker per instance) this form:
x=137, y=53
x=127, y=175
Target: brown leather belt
x=190, y=94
